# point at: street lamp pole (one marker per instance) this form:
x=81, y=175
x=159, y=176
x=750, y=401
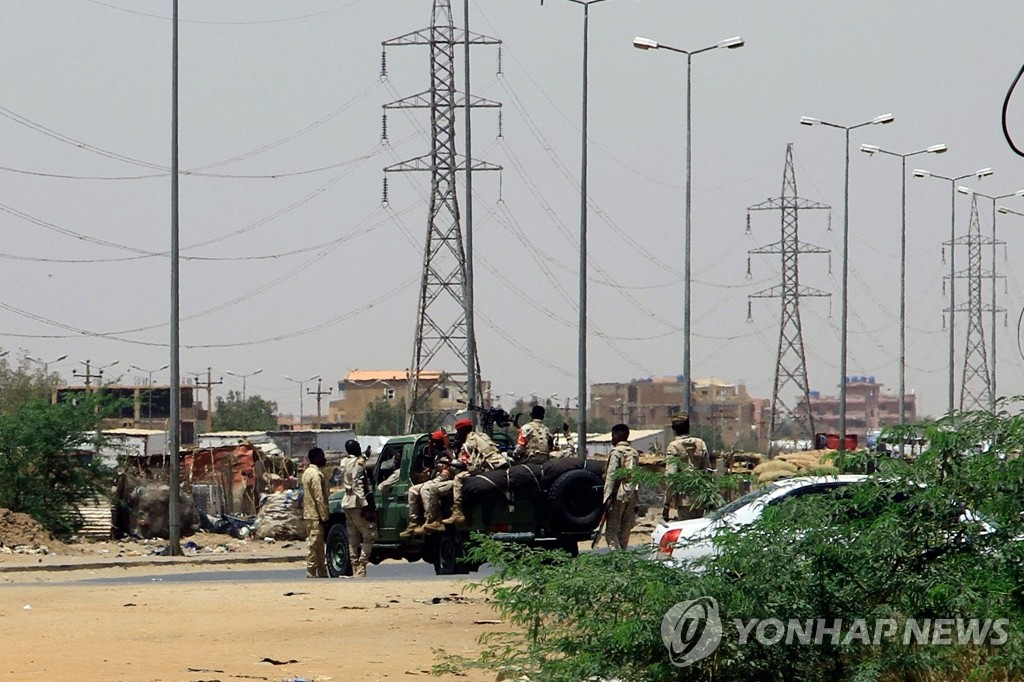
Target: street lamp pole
x=981, y=173
x=46, y=363
x=301, y=382
x=244, y=378
x=845, y=305
x=648, y=44
x=149, y=393
x=966, y=190
x=871, y=150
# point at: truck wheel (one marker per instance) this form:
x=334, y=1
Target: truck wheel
x=449, y=554
x=338, y=561
x=574, y=500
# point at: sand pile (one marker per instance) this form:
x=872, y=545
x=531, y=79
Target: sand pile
x=21, y=530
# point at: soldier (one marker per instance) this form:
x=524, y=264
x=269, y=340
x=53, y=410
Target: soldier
x=478, y=453
x=534, y=443
x=388, y=483
x=360, y=512
x=315, y=513
x=620, y=495
x=440, y=454
x=684, y=451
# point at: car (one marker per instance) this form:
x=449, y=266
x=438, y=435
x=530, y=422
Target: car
x=555, y=506
x=682, y=543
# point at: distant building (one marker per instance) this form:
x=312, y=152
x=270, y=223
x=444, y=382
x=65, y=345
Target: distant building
x=360, y=387
x=867, y=408
x=718, y=407
x=144, y=407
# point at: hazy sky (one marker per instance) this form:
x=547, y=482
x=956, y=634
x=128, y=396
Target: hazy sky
x=306, y=273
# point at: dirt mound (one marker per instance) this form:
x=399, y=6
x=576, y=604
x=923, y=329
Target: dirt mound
x=18, y=529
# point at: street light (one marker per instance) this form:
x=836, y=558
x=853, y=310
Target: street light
x=1020, y=193
x=300, y=382
x=980, y=173
x=46, y=363
x=244, y=377
x=149, y=384
x=872, y=150
x=843, y=334
x=582, y=323
x=648, y=44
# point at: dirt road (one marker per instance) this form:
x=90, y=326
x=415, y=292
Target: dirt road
x=57, y=628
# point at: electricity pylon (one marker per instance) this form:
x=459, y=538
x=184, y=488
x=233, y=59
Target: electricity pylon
x=441, y=321
x=975, y=384
x=790, y=363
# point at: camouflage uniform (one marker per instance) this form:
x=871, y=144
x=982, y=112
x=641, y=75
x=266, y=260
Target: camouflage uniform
x=479, y=454
x=314, y=513
x=622, y=511
x=692, y=452
x=534, y=443
x=422, y=502
x=362, y=531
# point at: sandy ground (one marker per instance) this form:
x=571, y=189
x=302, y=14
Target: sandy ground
x=55, y=629
x=57, y=626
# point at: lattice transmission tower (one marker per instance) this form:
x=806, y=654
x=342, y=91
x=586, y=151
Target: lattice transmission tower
x=442, y=338
x=975, y=383
x=790, y=363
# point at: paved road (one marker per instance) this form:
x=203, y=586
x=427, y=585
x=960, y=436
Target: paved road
x=388, y=570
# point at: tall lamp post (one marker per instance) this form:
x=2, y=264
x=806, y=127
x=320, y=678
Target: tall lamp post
x=981, y=173
x=871, y=150
x=149, y=384
x=581, y=388
x=966, y=190
x=844, y=329
x=301, y=382
x=648, y=44
x=244, y=378
x=46, y=363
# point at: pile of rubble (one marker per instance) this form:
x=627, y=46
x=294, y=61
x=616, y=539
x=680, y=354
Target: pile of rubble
x=21, y=534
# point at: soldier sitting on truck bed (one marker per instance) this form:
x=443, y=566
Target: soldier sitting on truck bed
x=535, y=441
x=477, y=453
x=440, y=454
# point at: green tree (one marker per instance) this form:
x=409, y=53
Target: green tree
x=252, y=414
x=383, y=418
x=40, y=472
x=22, y=382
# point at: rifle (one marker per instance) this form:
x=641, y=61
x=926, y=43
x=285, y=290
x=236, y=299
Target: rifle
x=605, y=508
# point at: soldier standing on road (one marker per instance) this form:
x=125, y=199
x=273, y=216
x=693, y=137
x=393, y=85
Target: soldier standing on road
x=478, y=453
x=314, y=512
x=360, y=512
x=622, y=495
x=684, y=451
x=534, y=443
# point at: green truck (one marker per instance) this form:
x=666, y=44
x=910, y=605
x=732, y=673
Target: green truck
x=555, y=506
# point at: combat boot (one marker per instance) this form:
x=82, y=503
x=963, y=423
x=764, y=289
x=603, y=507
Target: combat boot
x=434, y=527
x=456, y=517
x=411, y=530
x=359, y=570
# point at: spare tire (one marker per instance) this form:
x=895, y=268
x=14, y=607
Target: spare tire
x=575, y=500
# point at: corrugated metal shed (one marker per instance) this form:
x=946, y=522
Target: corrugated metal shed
x=97, y=519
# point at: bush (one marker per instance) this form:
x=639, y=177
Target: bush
x=930, y=539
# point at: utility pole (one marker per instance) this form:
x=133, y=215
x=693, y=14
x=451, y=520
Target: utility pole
x=319, y=393
x=790, y=362
x=88, y=376
x=443, y=327
x=208, y=385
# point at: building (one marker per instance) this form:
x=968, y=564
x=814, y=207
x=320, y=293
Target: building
x=144, y=407
x=721, y=410
x=360, y=387
x=867, y=408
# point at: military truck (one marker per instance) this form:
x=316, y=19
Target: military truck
x=556, y=506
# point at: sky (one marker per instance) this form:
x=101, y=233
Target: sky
x=292, y=265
